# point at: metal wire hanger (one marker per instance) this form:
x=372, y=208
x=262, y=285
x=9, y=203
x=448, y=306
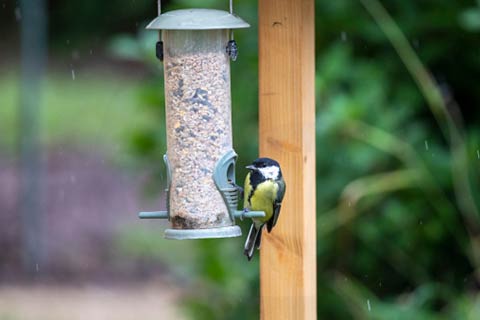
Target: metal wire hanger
x=231, y=49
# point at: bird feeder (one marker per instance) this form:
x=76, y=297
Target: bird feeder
x=196, y=47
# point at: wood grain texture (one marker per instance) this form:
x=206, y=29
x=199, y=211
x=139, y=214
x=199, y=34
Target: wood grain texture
x=287, y=134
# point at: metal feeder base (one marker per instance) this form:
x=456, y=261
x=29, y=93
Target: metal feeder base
x=223, y=232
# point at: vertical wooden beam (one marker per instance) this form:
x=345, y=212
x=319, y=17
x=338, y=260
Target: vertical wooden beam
x=287, y=133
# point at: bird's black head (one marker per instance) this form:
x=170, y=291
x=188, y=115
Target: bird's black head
x=265, y=162
x=268, y=168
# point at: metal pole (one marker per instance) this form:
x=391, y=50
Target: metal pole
x=33, y=60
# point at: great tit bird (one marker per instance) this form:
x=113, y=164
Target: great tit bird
x=264, y=191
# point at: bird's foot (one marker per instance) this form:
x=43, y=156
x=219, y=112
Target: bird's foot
x=245, y=210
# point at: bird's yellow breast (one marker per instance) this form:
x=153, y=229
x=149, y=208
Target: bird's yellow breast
x=262, y=199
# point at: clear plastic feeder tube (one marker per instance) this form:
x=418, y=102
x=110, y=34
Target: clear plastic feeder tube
x=201, y=194
x=199, y=129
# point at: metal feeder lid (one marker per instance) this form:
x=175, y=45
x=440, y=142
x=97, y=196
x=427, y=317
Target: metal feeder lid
x=197, y=19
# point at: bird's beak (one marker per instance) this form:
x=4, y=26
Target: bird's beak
x=251, y=167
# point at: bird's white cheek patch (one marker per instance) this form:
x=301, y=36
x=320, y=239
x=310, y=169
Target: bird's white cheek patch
x=270, y=172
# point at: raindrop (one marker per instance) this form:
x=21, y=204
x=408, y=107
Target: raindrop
x=36, y=267
x=420, y=222
x=73, y=179
x=426, y=145
x=478, y=154
x=18, y=14
x=68, y=41
x=91, y=51
x=369, y=307
x=73, y=74
x=344, y=36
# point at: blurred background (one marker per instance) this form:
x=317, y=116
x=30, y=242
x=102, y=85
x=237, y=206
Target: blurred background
x=82, y=137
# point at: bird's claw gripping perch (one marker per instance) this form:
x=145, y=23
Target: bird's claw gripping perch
x=245, y=213
x=245, y=210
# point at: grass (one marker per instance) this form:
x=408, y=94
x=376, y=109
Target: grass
x=90, y=108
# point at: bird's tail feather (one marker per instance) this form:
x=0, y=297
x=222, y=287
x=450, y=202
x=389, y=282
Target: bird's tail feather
x=253, y=241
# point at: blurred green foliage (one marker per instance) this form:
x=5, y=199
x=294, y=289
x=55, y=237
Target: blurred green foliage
x=94, y=97
x=395, y=239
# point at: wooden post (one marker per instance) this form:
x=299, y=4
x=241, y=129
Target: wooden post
x=287, y=134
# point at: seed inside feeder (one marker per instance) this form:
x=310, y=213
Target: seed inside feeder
x=197, y=86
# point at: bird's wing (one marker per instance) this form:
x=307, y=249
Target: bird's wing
x=277, y=204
